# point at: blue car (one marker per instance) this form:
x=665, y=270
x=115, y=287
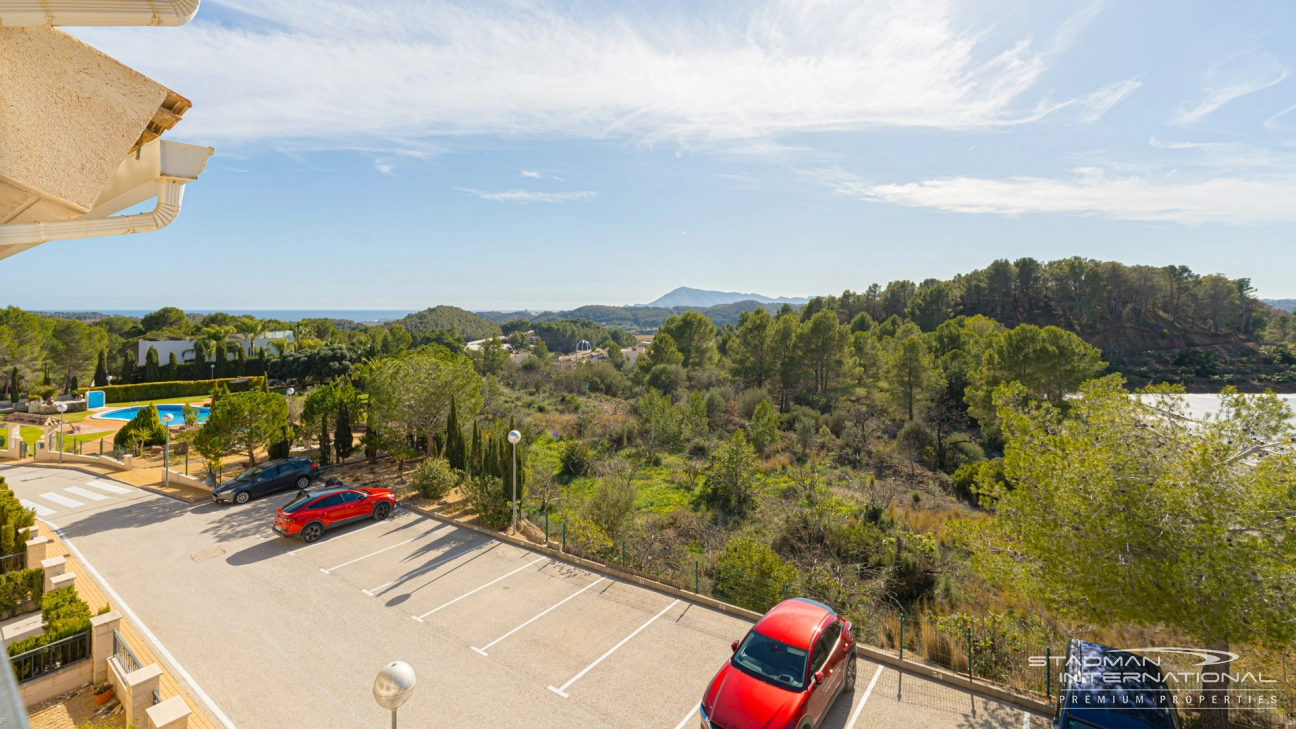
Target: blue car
x=1107, y=688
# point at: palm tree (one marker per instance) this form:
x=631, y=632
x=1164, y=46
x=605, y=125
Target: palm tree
x=251, y=328
x=198, y=350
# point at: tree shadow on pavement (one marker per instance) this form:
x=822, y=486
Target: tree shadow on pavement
x=128, y=515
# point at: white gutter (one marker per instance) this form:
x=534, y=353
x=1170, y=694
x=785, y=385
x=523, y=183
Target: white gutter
x=174, y=165
x=27, y=13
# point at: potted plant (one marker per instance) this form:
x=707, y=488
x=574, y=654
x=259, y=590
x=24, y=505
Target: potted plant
x=103, y=694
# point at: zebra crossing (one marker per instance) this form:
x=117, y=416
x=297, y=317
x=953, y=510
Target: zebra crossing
x=59, y=498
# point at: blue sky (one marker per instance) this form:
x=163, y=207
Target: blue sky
x=549, y=154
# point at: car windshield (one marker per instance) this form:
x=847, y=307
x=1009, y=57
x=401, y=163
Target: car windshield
x=297, y=503
x=253, y=472
x=771, y=661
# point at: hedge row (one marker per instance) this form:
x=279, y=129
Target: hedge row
x=65, y=615
x=17, y=589
x=175, y=388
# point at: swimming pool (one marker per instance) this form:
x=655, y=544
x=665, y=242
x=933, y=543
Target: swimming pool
x=163, y=411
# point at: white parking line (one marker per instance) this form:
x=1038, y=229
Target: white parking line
x=41, y=510
x=109, y=487
x=61, y=500
x=562, y=690
x=690, y=716
x=483, y=587
x=85, y=493
x=482, y=650
x=855, y=714
x=1025, y=720
x=370, y=592
x=430, y=532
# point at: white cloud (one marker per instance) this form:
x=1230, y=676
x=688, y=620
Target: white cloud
x=1101, y=101
x=339, y=71
x=529, y=196
x=532, y=174
x=1090, y=192
x=1236, y=76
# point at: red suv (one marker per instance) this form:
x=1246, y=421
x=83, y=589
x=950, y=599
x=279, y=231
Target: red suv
x=314, y=511
x=786, y=673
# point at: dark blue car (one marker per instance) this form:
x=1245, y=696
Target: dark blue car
x=1107, y=688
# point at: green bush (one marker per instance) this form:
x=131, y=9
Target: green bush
x=575, y=458
x=750, y=574
x=144, y=430
x=434, y=478
x=178, y=388
x=46, y=392
x=490, y=500
x=19, y=588
x=65, y=615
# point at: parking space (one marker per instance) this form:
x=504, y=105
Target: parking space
x=499, y=635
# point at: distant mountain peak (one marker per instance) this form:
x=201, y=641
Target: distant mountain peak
x=685, y=296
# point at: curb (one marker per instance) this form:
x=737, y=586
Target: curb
x=150, y=489
x=877, y=655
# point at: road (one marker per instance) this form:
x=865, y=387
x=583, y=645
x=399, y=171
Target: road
x=278, y=633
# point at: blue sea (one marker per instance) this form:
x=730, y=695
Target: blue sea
x=360, y=315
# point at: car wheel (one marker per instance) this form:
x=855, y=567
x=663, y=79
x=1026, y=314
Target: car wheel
x=312, y=531
x=303, y=482
x=242, y=497
x=849, y=685
x=382, y=511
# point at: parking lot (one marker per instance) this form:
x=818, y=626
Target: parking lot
x=278, y=633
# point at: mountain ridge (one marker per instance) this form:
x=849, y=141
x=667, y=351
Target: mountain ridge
x=702, y=298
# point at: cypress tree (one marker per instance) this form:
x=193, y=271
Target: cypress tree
x=222, y=359
x=324, y=444
x=151, y=371
x=128, y=367
x=46, y=381
x=454, y=440
x=475, y=454
x=101, y=369
x=171, y=366
x=343, y=441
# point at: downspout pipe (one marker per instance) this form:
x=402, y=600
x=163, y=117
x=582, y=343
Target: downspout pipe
x=28, y=13
x=18, y=237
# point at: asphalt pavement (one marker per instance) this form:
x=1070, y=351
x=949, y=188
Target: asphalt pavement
x=278, y=633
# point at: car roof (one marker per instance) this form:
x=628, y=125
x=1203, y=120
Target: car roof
x=794, y=621
x=327, y=491
x=1123, y=690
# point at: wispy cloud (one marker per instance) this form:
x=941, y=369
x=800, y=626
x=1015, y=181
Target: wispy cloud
x=337, y=71
x=1236, y=76
x=1099, y=102
x=533, y=174
x=1090, y=191
x=530, y=196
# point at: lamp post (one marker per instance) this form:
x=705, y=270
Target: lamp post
x=393, y=686
x=62, y=408
x=213, y=366
x=514, y=437
x=166, y=451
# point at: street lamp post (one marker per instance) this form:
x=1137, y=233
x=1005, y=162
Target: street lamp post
x=393, y=686
x=166, y=451
x=62, y=408
x=213, y=366
x=514, y=437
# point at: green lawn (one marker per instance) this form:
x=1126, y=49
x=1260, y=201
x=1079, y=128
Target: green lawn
x=31, y=435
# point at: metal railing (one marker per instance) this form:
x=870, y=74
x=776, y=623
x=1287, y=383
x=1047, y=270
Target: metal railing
x=13, y=562
x=124, y=655
x=52, y=657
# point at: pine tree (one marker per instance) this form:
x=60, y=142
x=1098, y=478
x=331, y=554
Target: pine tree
x=101, y=369
x=343, y=440
x=219, y=390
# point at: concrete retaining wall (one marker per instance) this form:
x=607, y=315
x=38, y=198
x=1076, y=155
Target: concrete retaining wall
x=48, y=456
x=51, y=685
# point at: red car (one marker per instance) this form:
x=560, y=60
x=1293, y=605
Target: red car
x=786, y=673
x=312, y=512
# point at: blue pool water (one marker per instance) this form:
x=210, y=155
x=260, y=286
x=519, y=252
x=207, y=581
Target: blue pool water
x=163, y=410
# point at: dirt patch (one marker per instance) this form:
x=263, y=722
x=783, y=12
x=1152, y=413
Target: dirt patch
x=73, y=709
